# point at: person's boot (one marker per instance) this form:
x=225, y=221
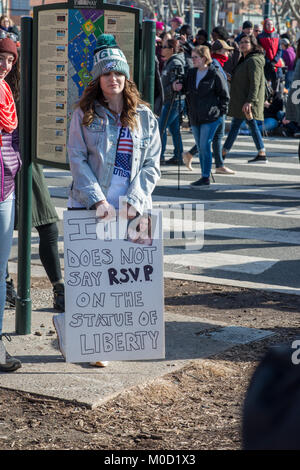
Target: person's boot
x=11, y=294
x=59, y=297
x=7, y=362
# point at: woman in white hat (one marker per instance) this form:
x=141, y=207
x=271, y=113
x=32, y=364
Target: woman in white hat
x=114, y=142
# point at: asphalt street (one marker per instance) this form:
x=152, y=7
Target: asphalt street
x=246, y=226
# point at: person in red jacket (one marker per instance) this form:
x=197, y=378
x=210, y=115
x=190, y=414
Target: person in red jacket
x=270, y=41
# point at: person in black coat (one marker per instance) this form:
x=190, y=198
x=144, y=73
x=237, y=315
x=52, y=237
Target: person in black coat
x=208, y=97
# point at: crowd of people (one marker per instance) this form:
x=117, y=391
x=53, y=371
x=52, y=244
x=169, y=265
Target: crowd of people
x=204, y=79
x=248, y=78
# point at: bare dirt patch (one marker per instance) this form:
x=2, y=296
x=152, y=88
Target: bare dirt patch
x=196, y=408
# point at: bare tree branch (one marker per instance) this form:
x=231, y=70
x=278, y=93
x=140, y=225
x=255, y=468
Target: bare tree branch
x=295, y=8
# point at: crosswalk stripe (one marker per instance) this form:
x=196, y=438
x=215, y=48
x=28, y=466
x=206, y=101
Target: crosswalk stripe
x=223, y=261
x=250, y=208
x=262, y=175
x=249, y=144
x=270, y=164
x=228, y=282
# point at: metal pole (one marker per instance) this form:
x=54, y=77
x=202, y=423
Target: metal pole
x=267, y=9
x=148, y=54
x=23, y=302
x=208, y=17
x=192, y=18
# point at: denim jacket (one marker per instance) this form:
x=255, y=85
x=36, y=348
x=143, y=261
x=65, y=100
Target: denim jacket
x=92, y=152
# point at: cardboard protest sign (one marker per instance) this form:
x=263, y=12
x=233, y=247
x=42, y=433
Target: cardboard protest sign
x=113, y=287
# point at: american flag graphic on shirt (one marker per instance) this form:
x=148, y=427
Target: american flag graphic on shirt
x=124, y=153
x=122, y=168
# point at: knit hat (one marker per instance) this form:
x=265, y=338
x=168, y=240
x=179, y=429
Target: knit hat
x=285, y=41
x=7, y=45
x=247, y=24
x=177, y=20
x=220, y=44
x=159, y=26
x=108, y=57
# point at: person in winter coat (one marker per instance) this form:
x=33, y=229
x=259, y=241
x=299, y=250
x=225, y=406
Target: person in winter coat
x=247, y=28
x=219, y=54
x=247, y=96
x=7, y=25
x=10, y=164
x=219, y=32
x=208, y=96
x=270, y=42
x=173, y=102
x=289, y=56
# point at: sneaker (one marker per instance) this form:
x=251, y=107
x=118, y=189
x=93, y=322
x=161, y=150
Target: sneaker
x=7, y=362
x=259, y=159
x=223, y=170
x=201, y=182
x=59, y=297
x=11, y=294
x=99, y=363
x=187, y=159
x=297, y=135
x=59, y=325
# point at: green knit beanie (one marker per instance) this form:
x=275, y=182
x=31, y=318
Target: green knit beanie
x=108, y=57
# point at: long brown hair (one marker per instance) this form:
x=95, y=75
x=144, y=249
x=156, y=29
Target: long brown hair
x=13, y=79
x=131, y=100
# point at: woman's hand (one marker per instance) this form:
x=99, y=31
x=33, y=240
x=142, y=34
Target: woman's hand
x=246, y=108
x=177, y=86
x=128, y=212
x=104, y=210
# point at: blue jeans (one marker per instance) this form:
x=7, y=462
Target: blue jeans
x=173, y=124
x=234, y=130
x=289, y=78
x=217, y=143
x=203, y=135
x=7, y=215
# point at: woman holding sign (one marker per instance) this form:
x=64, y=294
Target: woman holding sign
x=114, y=142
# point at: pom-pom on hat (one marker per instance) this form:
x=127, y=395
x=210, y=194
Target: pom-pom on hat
x=159, y=26
x=9, y=46
x=108, y=57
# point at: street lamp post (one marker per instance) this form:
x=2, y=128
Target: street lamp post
x=208, y=17
x=267, y=9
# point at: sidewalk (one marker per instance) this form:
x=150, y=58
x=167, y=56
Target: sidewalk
x=44, y=371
